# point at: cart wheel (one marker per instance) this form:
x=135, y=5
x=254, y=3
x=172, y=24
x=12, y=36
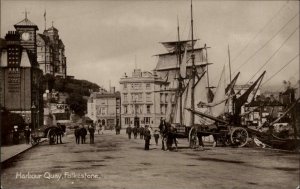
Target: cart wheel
x=239, y=137
x=52, y=137
x=193, y=138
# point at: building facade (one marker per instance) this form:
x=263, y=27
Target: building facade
x=55, y=49
x=104, y=107
x=45, y=54
x=143, y=99
x=21, y=87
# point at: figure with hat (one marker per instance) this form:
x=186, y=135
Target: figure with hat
x=147, y=137
x=27, y=133
x=16, y=136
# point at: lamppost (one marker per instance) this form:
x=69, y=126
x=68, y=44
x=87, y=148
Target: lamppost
x=33, y=117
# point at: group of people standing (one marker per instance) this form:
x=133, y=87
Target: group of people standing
x=16, y=134
x=81, y=132
x=144, y=132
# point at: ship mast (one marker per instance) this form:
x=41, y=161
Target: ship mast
x=193, y=68
x=180, y=79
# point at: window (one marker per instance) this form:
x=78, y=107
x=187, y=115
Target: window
x=127, y=120
x=162, y=111
x=125, y=85
x=148, y=97
x=147, y=120
x=148, y=86
x=140, y=96
x=148, y=109
x=125, y=109
x=161, y=97
x=125, y=98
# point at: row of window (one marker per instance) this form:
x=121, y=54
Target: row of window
x=137, y=109
x=137, y=86
x=146, y=120
x=137, y=97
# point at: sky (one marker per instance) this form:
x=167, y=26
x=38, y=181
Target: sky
x=105, y=39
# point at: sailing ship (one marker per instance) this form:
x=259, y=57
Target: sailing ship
x=193, y=108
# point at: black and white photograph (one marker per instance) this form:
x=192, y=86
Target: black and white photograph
x=152, y=94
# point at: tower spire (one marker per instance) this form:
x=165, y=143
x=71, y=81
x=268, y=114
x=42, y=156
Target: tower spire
x=45, y=19
x=26, y=12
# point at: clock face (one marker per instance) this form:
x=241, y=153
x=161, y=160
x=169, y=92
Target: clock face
x=25, y=36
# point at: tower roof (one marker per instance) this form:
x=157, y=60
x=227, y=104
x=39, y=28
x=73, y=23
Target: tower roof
x=26, y=23
x=52, y=28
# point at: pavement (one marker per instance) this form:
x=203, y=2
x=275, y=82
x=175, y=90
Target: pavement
x=9, y=152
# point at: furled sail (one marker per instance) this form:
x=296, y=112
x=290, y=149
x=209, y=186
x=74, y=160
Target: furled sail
x=184, y=64
x=173, y=46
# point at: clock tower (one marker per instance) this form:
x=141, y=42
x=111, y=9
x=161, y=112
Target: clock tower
x=27, y=31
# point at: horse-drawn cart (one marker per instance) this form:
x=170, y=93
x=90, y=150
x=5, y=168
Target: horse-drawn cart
x=52, y=133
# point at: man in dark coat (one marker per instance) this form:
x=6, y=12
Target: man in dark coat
x=27, y=132
x=77, y=134
x=91, y=131
x=134, y=130
x=147, y=137
x=128, y=131
x=16, y=136
x=142, y=132
x=83, y=133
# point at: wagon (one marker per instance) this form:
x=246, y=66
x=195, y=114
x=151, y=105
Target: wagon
x=222, y=131
x=47, y=132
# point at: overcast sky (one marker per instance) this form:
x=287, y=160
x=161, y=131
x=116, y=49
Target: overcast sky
x=102, y=38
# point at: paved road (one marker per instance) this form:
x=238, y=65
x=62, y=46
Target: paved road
x=116, y=162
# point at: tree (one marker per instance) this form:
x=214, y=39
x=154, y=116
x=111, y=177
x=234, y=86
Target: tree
x=77, y=104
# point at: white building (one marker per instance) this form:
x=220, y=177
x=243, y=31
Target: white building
x=105, y=108
x=143, y=99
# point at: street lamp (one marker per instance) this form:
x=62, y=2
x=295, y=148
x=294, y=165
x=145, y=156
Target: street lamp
x=33, y=117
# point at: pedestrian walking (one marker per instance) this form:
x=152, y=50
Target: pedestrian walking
x=156, y=136
x=27, y=133
x=77, y=134
x=134, y=130
x=128, y=131
x=118, y=128
x=91, y=131
x=99, y=126
x=142, y=132
x=147, y=137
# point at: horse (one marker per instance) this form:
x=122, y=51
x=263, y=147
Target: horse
x=168, y=135
x=207, y=130
x=54, y=133
x=60, y=132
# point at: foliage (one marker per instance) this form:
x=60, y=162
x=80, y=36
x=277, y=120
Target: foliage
x=77, y=103
x=76, y=89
